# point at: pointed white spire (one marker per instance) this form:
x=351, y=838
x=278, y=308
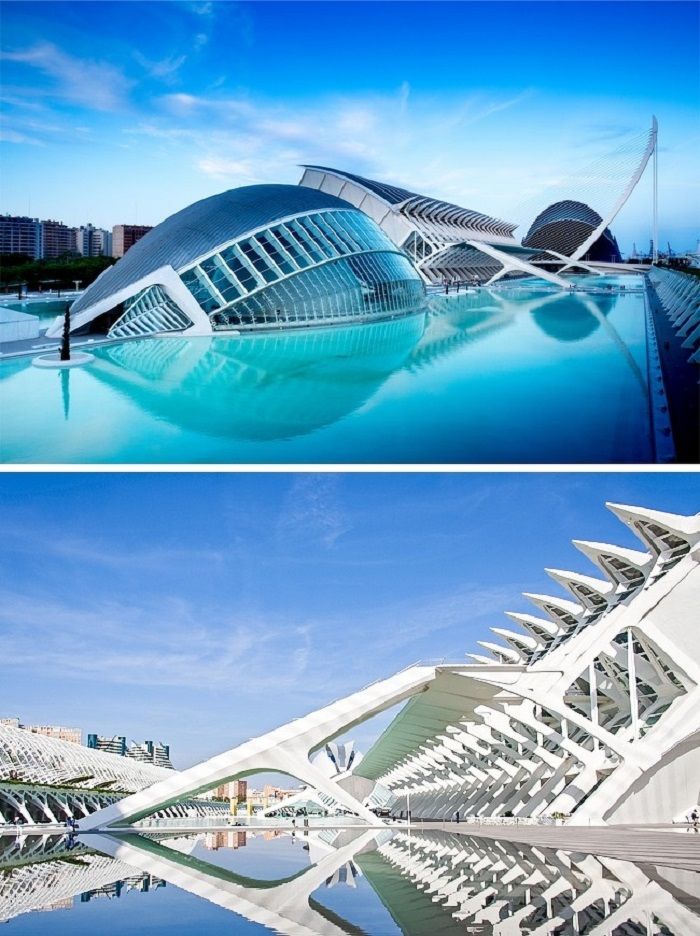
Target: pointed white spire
x=686, y=528
x=540, y=628
x=613, y=560
x=580, y=585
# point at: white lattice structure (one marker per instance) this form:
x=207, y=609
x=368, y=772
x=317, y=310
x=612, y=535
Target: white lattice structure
x=591, y=709
x=31, y=758
x=446, y=243
x=602, y=721
x=679, y=296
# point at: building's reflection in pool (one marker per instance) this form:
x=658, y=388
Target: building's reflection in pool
x=338, y=881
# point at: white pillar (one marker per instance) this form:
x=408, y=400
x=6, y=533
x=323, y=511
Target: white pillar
x=632, y=676
x=593, y=680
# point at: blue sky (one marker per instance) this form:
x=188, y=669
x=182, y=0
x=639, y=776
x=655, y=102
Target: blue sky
x=123, y=112
x=203, y=609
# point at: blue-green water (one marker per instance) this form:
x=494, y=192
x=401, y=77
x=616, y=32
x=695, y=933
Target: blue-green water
x=332, y=882
x=526, y=375
x=45, y=309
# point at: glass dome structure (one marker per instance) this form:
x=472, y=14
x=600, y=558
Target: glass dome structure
x=257, y=257
x=565, y=225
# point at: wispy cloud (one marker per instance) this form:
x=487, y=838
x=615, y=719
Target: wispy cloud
x=386, y=135
x=92, y=552
x=86, y=82
x=312, y=511
x=165, y=69
x=171, y=642
x=8, y=135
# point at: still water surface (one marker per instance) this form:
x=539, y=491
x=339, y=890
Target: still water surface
x=330, y=882
x=518, y=375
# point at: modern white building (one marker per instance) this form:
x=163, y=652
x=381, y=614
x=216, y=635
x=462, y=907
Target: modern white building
x=257, y=257
x=588, y=709
x=448, y=244
x=595, y=714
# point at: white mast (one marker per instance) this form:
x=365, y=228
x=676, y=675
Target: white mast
x=655, y=133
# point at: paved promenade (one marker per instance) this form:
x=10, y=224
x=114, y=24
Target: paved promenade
x=670, y=846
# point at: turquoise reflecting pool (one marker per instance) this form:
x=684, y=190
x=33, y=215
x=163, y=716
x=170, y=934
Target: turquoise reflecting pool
x=46, y=309
x=514, y=375
x=333, y=881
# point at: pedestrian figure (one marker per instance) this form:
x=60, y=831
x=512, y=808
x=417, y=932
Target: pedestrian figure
x=695, y=818
x=457, y=817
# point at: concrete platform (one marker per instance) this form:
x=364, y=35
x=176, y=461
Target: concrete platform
x=667, y=846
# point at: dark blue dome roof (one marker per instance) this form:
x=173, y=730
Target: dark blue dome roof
x=201, y=227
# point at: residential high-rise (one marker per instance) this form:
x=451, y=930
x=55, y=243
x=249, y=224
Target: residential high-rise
x=236, y=790
x=20, y=235
x=114, y=745
x=57, y=240
x=48, y=731
x=147, y=752
x=150, y=753
x=93, y=242
x=125, y=236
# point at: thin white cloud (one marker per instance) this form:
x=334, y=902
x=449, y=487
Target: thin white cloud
x=88, y=83
x=8, y=135
x=164, y=69
x=172, y=642
x=88, y=553
x=312, y=511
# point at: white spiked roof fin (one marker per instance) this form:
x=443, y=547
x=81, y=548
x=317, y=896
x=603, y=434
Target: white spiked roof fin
x=523, y=640
x=561, y=577
x=529, y=620
x=685, y=527
x=642, y=560
x=570, y=607
x=500, y=650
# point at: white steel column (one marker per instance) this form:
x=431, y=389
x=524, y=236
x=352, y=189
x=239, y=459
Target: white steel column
x=593, y=694
x=632, y=676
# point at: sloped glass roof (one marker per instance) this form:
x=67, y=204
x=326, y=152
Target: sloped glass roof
x=203, y=226
x=390, y=193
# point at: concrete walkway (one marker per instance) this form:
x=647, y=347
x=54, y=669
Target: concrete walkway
x=671, y=847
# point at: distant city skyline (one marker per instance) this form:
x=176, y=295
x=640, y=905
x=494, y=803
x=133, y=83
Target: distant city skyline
x=127, y=112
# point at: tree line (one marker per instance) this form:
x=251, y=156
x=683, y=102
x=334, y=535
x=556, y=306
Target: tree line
x=61, y=272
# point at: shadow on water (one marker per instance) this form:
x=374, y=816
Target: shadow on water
x=424, y=882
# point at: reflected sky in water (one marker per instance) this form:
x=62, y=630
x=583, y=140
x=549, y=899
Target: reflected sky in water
x=518, y=375
x=329, y=882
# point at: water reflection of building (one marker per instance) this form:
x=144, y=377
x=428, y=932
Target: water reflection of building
x=505, y=889
x=227, y=838
x=324, y=374
x=236, y=790
x=137, y=882
x=53, y=885
x=437, y=882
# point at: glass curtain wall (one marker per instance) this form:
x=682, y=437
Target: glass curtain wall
x=316, y=268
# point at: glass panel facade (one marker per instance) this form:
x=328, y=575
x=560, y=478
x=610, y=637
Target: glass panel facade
x=352, y=288
x=222, y=278
x=321, y=267
x=150, y=311
x=197, y=283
